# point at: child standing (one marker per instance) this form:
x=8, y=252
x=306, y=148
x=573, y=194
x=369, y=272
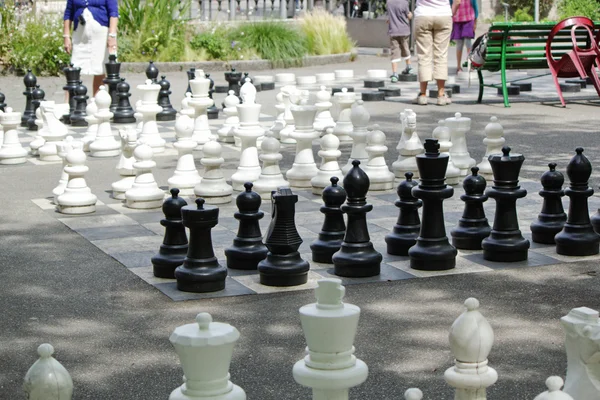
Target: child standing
x=399, y=16
x=464, y=23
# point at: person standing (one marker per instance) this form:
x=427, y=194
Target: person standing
x=399, y=16
x=464, y=23
x=433, y=25
x=94, y=35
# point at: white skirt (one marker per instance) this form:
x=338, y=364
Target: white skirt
x=89, y=46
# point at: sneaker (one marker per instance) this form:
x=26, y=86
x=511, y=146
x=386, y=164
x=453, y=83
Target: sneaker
x=394, y=78
x=407, y=70
x=421, y=100
x=443, y=100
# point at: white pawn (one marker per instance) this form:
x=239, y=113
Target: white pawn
x=379, y=174
x=213, y=188
x=494, y=140
x=90, y=134
x=459, y=126
x=200, y=101
x=38, y=141
x=330, y=367
x=232, y=121
x=149, y=107
x=279, y=123
x=554, y=384
x=329, y=154
x=186, y=109
x=323, y=119
x=186, y=177
x=270, y=178
x=47, y=379
x=77, y=197
x=442, y=134
x=291, y=96
x=413, y=394
x=408, y=147
x=304, y=167
x=205, y=349
x=139, y=117
x=125, y=168
x=343, y=127
x=249, y=131
x=11, y=152
x=63, y=149
x=105, y=144
x=144, y=192
x=360, y=117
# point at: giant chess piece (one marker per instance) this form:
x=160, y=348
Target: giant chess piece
x=379, y=174
x=186, y=177
x=168, y=113
x=333, y=230
x=112, y=79
x=47, y=378
x=554, y=384
x=90, y=134
x=191, y=74
x=279, y=123
x=77, y=197
x=37, y=96
x=149, y=108
x=357, y=257
x=329, y=154
x=38, y=124
x=473, y=227
x=304, y=167
x=290, y=96
x=442, y=134
x=234, y=78
x=73, y=76
x=248, y=92
x=212, y=112
x=459, y=126
x=11, y=152
x=232, y=121
x=200, y=271
x=360, y=117
x=152, y=73
x=125, y=166
x=124, y=113
x=64, y=147
x=283, y=266
x=52, y=131
x=249, y=131
x=323, y=119
x=30, y=81
x=2, y=102
x=409, y=146
x=552, y=218
x=213, y=187
x=505, y=243
x=174, y=247
x=247, y=249
x=578, y=237
x=494, y=140
x=408, y=226
x=80, y=97
x=432, y=252
x=144, y=193
x=186, y=109
x=200, y=102
x=270, y=178
x=105, y=144
x=343, y=126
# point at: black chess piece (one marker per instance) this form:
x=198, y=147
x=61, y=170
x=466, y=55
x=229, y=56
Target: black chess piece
x=283, y=265
x=334, y=228
x=233, y=78
x=30, y=81
x=152, y=72
x=191, y=74
x=505, y=243
x=473, y=227
x=247, y=249
x=73, y=76
x=37, y=96
x=578, y=237
x=200, y=271
x=247, y=78
x=175, y=244
x=80, y=96
x=212, y=111
x=168, y=113
x=2, y=101
x=432, y=251
x=552, y=218
x=112, y=79
x=357, y=257
x=406, y=230
x=124, y=113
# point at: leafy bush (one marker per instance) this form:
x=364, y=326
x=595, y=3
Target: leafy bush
x=586, y=8
x=516, y=5
x=215, y=43
x=522, y=15
x=326, y=33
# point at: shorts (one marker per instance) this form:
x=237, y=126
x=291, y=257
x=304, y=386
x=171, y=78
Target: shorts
x=89, y=46
x=399, y=48
x=463, y=30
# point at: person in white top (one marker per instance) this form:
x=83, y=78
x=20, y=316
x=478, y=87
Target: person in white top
x=433, y=25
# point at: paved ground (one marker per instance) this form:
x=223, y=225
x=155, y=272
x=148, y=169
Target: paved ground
x=111, y=329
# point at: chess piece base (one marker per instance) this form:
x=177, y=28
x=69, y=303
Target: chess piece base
x=143, y=204
x=398, y=243
x=545, y=231
x=283, y=270
x=76, y=210
x=246, y=254
x=124, y=120
x=236, y=393
x=105, y=153
x=357, y=260
x=577, y=240
x=470, y=237
x=168, y=259
x=433, y=255
x=166, y=116
x=506, y=248
x=13, y=160
x=322, y=252
x=200, y=276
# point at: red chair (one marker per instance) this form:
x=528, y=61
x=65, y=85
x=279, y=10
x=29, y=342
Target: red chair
x=578, y=62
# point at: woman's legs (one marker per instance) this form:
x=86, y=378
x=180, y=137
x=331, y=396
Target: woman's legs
x=459, y=50
x=441, y=39
x=97, y=83
x=424, y=42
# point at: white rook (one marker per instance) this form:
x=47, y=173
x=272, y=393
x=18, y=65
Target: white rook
x=47, y=379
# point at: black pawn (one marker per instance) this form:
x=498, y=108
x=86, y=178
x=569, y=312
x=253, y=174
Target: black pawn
x=81, y=98
x=552, y=218
x=112, y=79
x=233, y=78
x=168, y=113
x=2, y=102
x=200, y=271
x=175, y=244
x=30, y=81
x=152, y=72
x=124, y=113
x=212, y=111
x=73, y=76
x=247, y=249
x=334, y=228
x=506, y=243
x=283, y=265
x=407, y=228
x=578, y=237
x=473, y=227
x=191, y=74
x=432, y=251
x=37, y=96
x=357, y=257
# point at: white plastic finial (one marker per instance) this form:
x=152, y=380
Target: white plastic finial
x=8, y=110
x=554, y=383
x=330, y=293
x=472, y=304
x=493, y=118
x=148, y=81
x=45, y=350
x=344, y=90
x=323, y=87
x=458, y=115
x=413, y=394
x=204, y=319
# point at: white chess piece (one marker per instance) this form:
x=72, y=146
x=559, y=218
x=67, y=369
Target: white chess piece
x=360, y=117
x=343, y=126
x=459, y=126
x=90, y=134
x=494, y=140
x=408, y=147
x=249, y=131
x=139, y=117
x=413, y=394
x=376, y=169
x=47, y=378
x=200, y=101
x=279, y=123
x=144, y=192
x=304, y=167
x=125, y=167
x=149, y=107
x=554, y=384
x=77, y=197
x=323, y=119
x=329, y=154
x=186, y=109
x=291, y=96
x=63, y=147
x=38, y=141
x=442, y=134
x=105, y=144
x=12, y=152
x=248, y=92
x=186, y=176
x=270, y=178
x=232, y=121
x=213, y=188
x=52, y=131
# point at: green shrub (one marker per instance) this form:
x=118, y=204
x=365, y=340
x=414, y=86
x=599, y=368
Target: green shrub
x=522, y=15
x=586, y=8
x=326, y=33
x=215, y=44
x=516, y=5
